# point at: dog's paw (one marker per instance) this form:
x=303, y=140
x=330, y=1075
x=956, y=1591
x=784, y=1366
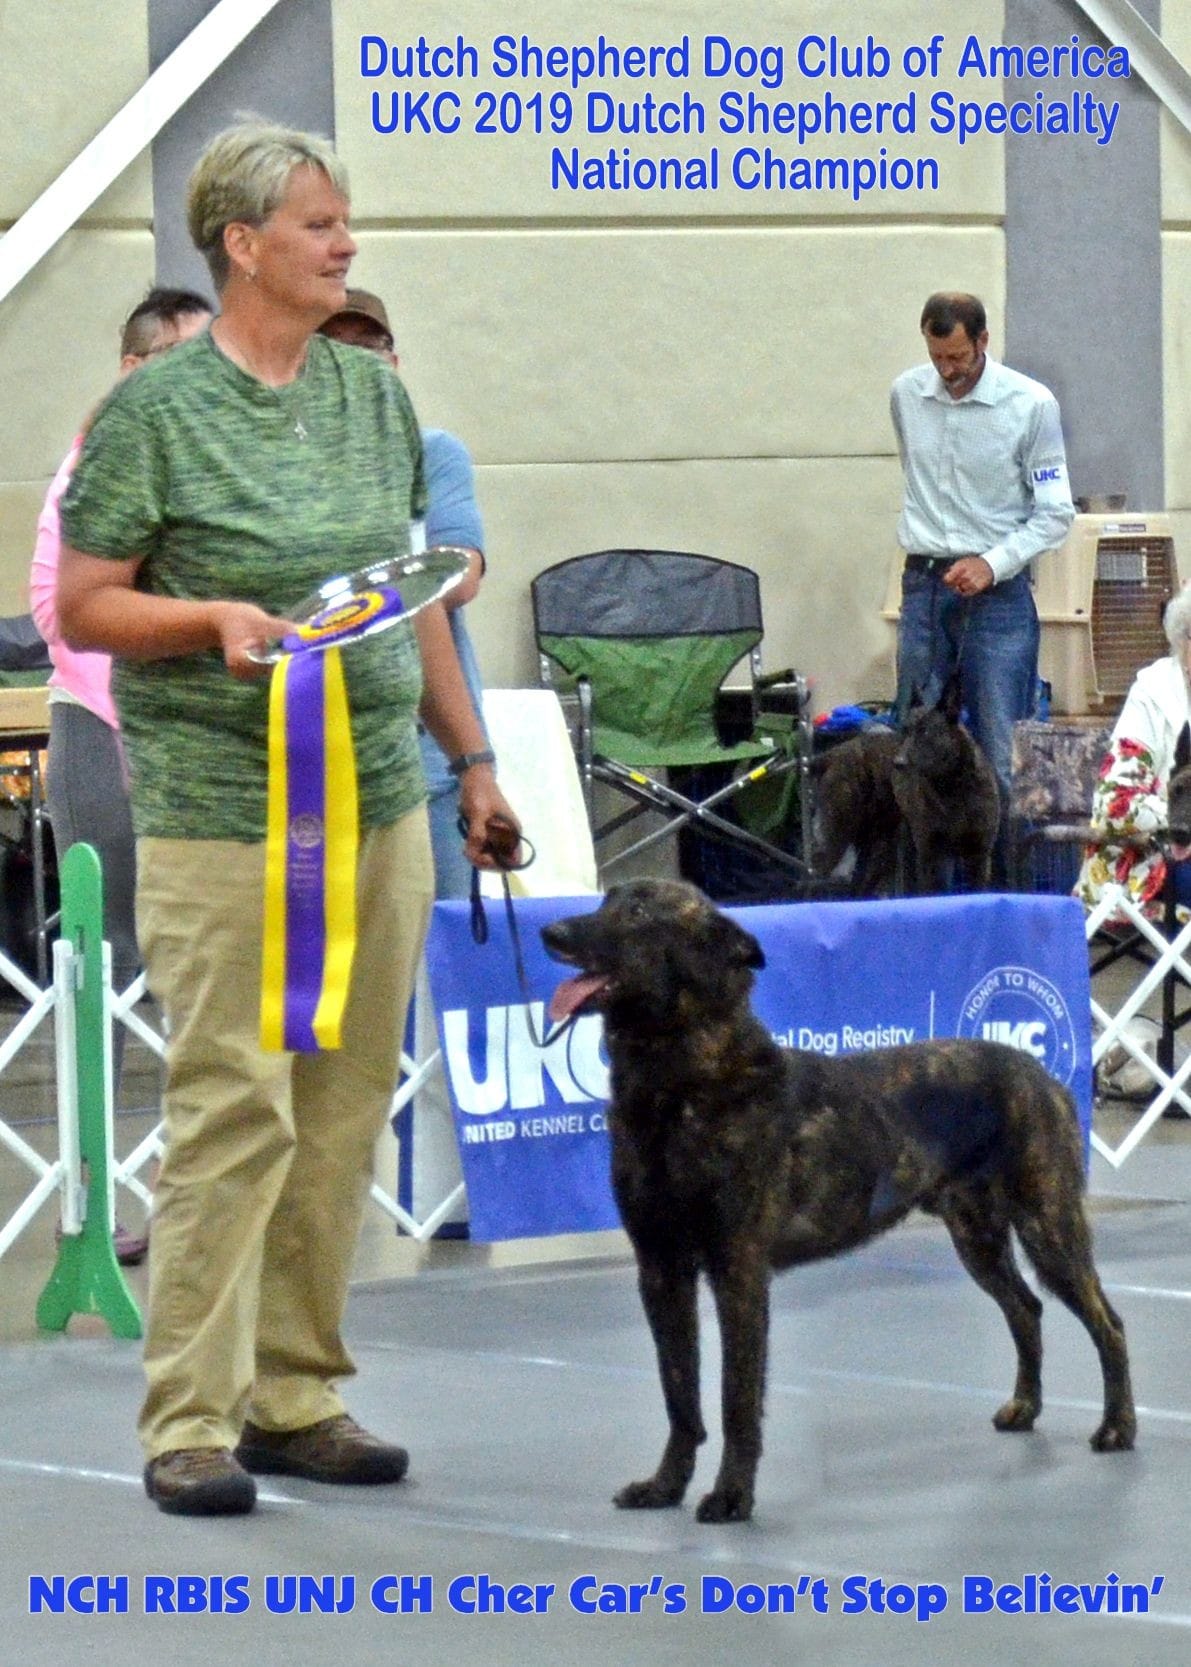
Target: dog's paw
x=1115, y=1435
x=725, y=1505
x=1016, y=1415
x=647, y=1496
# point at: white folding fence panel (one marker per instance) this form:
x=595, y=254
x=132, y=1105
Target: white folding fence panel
x=1112, y=1029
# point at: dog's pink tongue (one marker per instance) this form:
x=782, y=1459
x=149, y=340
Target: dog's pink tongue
x=572, y=993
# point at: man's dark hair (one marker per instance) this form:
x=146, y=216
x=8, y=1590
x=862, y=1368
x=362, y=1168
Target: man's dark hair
x=945, y=310
x=160, y=306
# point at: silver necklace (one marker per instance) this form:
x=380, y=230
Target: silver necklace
x=292, y=408
x=291, y=405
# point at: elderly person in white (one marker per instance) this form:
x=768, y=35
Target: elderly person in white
x=1129, y=803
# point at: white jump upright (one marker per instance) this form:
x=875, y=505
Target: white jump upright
x=86, y=1278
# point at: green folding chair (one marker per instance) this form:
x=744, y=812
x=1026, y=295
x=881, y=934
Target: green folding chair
x=644, y=640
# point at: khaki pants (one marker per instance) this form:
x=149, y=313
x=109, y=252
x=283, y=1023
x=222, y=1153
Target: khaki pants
x=269, y=1156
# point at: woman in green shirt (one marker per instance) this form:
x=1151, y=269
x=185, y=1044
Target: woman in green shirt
x=227, y=479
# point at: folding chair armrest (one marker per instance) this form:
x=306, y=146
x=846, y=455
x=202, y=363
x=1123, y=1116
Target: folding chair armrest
x=1066, y=833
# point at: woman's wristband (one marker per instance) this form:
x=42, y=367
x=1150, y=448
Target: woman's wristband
x=465, y=761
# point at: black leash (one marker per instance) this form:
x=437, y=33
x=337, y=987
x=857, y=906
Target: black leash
x=959, y=646
x=502, y=841
x=936, y=626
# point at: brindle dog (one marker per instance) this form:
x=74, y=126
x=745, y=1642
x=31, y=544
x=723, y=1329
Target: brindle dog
x=948, y=797
x=732, y=1157
x=855, y=809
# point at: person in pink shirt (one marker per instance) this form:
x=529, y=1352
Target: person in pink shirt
x=86, y=780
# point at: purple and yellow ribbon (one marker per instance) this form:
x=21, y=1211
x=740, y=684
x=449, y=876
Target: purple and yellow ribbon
x=312, y=832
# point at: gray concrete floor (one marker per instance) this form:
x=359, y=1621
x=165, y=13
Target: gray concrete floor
x=522, y=1379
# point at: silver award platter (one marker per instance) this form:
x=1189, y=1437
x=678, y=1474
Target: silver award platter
x=351, y=606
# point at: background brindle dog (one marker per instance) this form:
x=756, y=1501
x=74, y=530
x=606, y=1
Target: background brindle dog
x=732, y=1157
x=908, y=804
x=948, y=796
x=855, y=809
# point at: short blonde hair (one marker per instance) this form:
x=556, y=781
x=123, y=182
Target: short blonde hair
x=243, y=175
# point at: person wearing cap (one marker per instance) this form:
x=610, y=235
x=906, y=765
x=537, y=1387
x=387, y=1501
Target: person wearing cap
x=452, y=517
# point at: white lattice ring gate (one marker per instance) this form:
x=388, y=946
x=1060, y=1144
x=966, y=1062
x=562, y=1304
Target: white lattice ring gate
x=1170, y=955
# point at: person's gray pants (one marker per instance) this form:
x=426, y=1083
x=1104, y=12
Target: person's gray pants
x=87, y=799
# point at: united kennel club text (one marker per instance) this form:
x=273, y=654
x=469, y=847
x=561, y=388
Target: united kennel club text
x=517, y=85
x=502, y=1069
x=587, y=1594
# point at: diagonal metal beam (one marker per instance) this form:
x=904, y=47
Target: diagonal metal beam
x=1150, y=58
x=209, y=44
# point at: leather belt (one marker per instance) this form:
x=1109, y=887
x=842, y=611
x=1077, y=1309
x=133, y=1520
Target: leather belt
x=929, y=564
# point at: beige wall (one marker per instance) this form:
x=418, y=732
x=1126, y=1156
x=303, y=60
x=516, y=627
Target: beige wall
x=703, y=371
x=65, y=70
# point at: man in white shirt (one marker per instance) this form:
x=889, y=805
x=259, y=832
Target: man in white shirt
x=986, y=491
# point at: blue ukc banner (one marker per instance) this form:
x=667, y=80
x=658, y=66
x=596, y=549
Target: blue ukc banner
x=839, y=977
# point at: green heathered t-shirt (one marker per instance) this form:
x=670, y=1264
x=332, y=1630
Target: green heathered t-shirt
x=230, y=489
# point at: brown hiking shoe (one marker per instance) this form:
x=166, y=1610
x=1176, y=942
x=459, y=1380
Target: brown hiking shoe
x=333, y=1450
x=199, y=1482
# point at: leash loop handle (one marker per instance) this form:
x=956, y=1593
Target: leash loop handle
x=501, y=842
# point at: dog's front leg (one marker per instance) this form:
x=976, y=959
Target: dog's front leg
x=669, y=1298
x=741, y=1287
x=930, y=879
x=978, y=872
x=905, y=863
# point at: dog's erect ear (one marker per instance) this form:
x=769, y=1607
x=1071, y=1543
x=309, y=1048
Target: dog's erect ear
x=1182, y=751
x=951, y=701
x=739, y=948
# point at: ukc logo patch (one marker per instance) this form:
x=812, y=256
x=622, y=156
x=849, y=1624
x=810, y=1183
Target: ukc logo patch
x=1021, y=1008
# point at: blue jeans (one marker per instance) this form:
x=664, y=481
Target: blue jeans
x=1182, y=882
x=992, y=637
